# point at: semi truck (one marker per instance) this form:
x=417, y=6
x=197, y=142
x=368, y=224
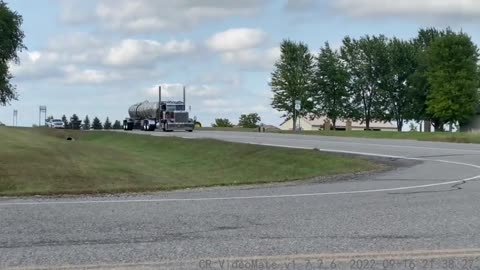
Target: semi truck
x=164, y=115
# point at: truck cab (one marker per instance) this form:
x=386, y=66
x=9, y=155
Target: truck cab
x=174, y=117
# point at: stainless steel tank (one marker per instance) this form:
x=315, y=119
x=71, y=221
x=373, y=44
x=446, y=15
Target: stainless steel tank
x=143, y=110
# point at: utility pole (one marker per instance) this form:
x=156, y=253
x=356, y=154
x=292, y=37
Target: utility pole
x=294, y=119
x=15, y=118
x=298, y=107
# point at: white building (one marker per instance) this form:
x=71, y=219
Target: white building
x=318, y=124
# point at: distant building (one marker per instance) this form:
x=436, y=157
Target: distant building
x=319, y=124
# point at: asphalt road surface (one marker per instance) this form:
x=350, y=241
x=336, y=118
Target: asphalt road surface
x=424, y=214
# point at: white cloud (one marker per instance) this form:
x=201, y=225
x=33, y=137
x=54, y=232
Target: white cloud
x=232, y=80
x=236, y=39
x=76, y=11
x=153, y=15
x=36, y=65
x=175, y=91
x=424, y=8
x=73, y=75
x=144, y=52
x=94, y=58
x=74, y=42
x=217, y=102
x=253, y=59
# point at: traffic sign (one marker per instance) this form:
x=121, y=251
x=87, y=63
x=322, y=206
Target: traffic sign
x=298, y=105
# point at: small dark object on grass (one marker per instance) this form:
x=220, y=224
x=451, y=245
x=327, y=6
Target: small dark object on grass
x=70, y=139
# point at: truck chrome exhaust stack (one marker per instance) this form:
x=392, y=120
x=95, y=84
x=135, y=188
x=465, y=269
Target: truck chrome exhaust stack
x=184, y=104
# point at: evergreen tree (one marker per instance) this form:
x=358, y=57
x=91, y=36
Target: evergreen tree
x=65, y=122
x=107, y=124
x=117, y=125
x=75, y=122
x=86, y=123
x=96, y=124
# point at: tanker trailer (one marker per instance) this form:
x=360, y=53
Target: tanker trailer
x=165, y=115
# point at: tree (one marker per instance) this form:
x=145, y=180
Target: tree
x=330, y=94
x=96, y=124
x=75, y=122
x=366, y=61
x=452, y=74
x=86, y=123
x=107, y=124
x=397, y=92
x=292, y=80
x=117, y=125
x=222, y=122
x=11, y=42
x=65, y=122
x=419, y=81
x=249, y=120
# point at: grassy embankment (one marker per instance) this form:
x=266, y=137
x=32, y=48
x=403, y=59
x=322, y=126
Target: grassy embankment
x=457, y=137
x=42, y=161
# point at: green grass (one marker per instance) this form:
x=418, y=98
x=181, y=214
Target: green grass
x=457, y=137
x=42, y=161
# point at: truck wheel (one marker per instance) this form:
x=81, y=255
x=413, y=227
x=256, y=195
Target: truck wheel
x=190, y=130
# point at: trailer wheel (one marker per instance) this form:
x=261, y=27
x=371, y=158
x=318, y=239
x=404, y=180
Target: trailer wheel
x=190, y=130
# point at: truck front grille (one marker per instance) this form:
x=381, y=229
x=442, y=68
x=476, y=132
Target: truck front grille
x=181, y=117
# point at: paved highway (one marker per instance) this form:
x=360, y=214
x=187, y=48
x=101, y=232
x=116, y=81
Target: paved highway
x=424, y=211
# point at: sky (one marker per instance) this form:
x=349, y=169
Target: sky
x=98, y=57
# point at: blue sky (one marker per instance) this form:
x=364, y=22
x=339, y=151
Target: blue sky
x=98, y=57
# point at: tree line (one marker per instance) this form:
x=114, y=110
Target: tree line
x=250, y=120
x=11, y=43
x=433, y=77
x=75, y=123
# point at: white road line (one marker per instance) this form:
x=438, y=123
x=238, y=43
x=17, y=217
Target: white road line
x=371, y=154
x=477, y=177
x=243, y=197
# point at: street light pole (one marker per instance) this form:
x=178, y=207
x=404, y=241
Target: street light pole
x=294, y=117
